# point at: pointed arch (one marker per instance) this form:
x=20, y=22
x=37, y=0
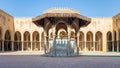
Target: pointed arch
x=61, y=33
x=89, y=43
x=72, y=34
x=17, y=41
x=109, y=41
x=98, y=39
x=35, y=43
x=51, y=35
x=7, y=42
x=27, y=43
x=61, y=25
x=81, y=41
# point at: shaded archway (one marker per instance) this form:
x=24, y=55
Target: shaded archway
x=17, y=41
x=119, y=39
x=98, y=41
x=72, y=34
x=0, y=39
x=27, y=43
x=109, y=41
x=89, y=41
x=62, y=34
x=61, y=26
x=51, y=35
x=7, y=42
x=36, y=43
x=81, y=41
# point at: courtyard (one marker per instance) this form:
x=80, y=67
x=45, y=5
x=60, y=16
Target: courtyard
x=22, y=61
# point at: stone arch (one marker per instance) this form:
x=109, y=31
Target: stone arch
x=89, y=41
x=75, y=26
x=98, y=41
x=17, y=41
x=35, y=39
x=62, y=33
x=7, y=42
x=27, y=43
x=109, y=41
x=72, y=34
x=61, y=25
x=51, y=35
x=81, y=41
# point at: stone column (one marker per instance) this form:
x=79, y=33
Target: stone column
x=78, y=40
x=40, y=41
x=117, y=42
x=22, y=42
x=12, y=43
x=54, y=39
x=68, y=39
x=85, y=42
x=31, y=41
x=45, y=42
x=2, y=45
x=94, y=42
x=113, y=41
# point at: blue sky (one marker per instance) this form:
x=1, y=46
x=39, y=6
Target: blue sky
x=32, y=8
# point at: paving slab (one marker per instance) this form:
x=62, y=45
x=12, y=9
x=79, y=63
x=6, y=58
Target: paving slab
x=7, y=61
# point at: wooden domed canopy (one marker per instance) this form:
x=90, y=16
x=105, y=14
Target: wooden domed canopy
x=68, y=15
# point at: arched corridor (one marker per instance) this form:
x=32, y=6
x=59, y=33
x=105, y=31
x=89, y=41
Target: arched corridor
x=17, y=41
x=35, y=42
x=98, y=41
x=72, y=34
x=62, y=34
x=89, y=42
x=27, y=43
x=115, y=41
x=109, y=41
x=81, y=41
x=0, y=39
x=7, y=42
x=119, y=40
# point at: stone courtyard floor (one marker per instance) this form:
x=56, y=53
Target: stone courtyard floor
x=7, y=61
